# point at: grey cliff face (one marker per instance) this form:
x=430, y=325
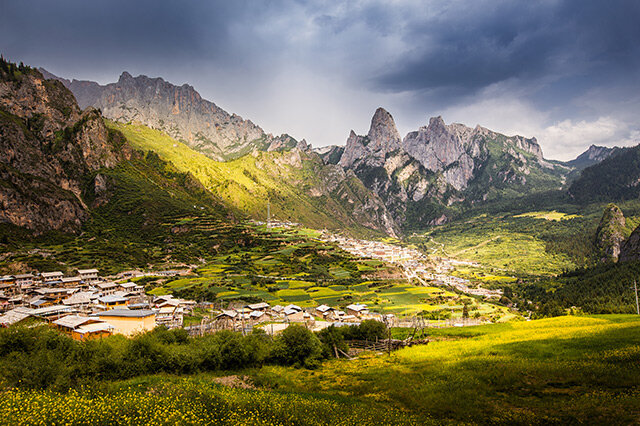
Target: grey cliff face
x=447, y=149
x=179, y=111
x=610, y=234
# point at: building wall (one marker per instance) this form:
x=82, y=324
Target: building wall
x=130, y=326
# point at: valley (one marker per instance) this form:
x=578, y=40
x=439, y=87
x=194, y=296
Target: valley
x=451, y=276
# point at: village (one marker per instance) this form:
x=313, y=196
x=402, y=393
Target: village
x=413, y=263
x=87, y=306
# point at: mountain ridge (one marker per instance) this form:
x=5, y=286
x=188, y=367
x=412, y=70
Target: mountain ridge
x=179, y=111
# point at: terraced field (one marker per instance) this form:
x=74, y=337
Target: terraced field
x=309, y=272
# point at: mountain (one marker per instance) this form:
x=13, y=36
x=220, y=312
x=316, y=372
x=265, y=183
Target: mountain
x=296, y=183
x=610, y=234
x=61, y=167
x=179, y=111
x=288, y=173
x=615, y=178
x=593, y=155
x=440, y=166
x=48, y=147
x=630, y=249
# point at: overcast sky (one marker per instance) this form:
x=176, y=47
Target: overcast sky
x=566, y=72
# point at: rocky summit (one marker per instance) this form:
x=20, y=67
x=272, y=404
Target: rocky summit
x=610, y=234
x=179, y=111
x=48, y=146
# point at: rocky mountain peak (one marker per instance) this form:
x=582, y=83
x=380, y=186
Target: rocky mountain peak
x=382, y=139
x=125, y=76
x=179, y=111
x=593, y=155
x=436, y=123
x=383, y=130
x=610, y=233
x=52, y=148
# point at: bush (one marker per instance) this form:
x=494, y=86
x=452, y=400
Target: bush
x=297, y=346
x=367, y=330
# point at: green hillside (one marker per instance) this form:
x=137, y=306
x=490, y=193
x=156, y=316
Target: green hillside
x=298, y=185
x=613, y=179
x=568, y=370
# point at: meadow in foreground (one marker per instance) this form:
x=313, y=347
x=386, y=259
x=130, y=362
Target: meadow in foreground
x=564, y=370
x=560, y=370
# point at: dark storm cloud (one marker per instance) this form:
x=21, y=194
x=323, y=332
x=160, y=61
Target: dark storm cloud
x=570, y=66
x=492, y=42
x=87, y=34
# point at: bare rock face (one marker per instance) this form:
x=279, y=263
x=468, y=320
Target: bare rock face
x=439, y=165
x=179, y=111
x=610, y=234
x=47, y=147
x=458, y=151
x=630, y=249
x=593, y=155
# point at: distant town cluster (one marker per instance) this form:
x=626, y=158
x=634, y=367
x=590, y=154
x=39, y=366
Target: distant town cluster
x=413, y=263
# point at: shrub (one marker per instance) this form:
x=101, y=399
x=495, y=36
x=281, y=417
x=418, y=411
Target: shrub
x=297, y=346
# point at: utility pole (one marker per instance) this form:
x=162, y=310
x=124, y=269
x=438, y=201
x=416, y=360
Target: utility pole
x=635, y=288
x=268, y=214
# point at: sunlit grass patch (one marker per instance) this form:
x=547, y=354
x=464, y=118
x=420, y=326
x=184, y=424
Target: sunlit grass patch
x=549, y=215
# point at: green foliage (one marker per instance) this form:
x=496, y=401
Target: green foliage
x=41, y=358
x=297, y=346
x=565, y=370
x=370, y=330
x=599, y=289
x=246, y=184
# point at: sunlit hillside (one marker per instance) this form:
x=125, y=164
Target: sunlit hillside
x=298, y=186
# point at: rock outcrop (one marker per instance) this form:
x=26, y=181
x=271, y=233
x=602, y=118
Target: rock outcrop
x=593, y=155
x=48, y=147
x=610, y=234
x=630, y=249
x=179, y=111
x=383, y=138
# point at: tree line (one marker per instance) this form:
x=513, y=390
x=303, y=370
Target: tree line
x=44, y=358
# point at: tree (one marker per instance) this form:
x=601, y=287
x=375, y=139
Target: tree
x=465, y=311
x=332, y=338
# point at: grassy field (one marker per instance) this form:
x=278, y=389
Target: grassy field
x=526, y=243
x=566, y=370
x=555, y=371
x=552, y=215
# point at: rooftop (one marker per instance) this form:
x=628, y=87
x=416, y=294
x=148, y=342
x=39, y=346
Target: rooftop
x=127, y=313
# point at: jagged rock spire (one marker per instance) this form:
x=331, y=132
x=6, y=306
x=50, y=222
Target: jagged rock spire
x=383, y=138
x=383, y=133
